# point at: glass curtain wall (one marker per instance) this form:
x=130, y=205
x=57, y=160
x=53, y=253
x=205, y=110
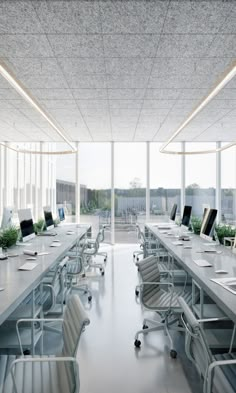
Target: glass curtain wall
x=26, y=179
x=165, y=181
x=95, y=186
x=228, y=186
x=200, y=178
x=130, y=189
x=65, y=182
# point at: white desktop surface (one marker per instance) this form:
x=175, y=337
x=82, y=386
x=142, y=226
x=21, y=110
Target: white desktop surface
x=18, y=284
x=225, y=260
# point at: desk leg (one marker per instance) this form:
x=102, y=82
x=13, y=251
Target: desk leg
x=32, y=324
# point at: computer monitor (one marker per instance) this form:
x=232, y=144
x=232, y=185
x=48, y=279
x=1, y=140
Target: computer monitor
x=7, y=217
x=173, y=212
x=208, y=224
x=48, y=218
x=26, y=224
x=61, y=213
x=186, y=216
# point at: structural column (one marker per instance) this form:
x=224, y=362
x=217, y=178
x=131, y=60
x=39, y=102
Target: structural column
x=24, y=181
x=1, y=179
x=36, y=182
x=18, y=180
x=112, y=195
x=77, y=184
x=148, y=181
x=182, y=191
x=218, y=182
x=6, y=178
x=41, y=182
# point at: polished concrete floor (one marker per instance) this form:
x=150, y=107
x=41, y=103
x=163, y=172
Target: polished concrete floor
x=108, y=360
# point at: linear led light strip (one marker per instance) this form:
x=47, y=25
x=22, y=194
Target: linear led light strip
x=223, y=82
x=8, y=75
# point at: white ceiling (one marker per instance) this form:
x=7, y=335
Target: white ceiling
x=118, y=70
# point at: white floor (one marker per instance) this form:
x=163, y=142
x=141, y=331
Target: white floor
x=108, y=360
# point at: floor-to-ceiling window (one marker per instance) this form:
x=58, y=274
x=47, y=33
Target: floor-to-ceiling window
x=165, y=180
x=95, y=185
x=200, y=180
x=65, y=182
x=228, y=186
x=130, y=189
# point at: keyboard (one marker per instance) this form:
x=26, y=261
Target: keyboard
x=47, y=234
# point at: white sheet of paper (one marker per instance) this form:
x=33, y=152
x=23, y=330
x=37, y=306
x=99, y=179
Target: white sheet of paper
x=28, y=266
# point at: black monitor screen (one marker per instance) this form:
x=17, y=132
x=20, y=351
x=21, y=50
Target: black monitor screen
x=173, y=212
x=48, y=218
x=186, y=215
x=208, y=222
x=61, y=213
x=26, y=222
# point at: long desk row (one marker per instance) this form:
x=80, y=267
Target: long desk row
x=224, y=260
x=17, y=284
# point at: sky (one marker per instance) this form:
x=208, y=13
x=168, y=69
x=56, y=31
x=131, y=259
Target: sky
x=130, y=163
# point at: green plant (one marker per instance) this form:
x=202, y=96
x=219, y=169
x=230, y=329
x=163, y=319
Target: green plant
x=8, y=237
x=39, y=225
x=224, y=231
x=196, y=225
x=56, y=222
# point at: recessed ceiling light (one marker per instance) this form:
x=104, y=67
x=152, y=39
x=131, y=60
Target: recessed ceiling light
x=18, y=86
x=219, y=86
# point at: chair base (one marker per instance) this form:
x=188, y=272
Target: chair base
x=164, y=325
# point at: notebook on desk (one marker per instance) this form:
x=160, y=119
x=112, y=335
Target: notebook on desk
x=47, y=234
x=202, y=262
x=28, y=266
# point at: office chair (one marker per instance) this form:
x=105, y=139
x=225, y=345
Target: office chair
x=218, y=370
x=75, y=270
x=159, y=296
x=99, y=239
x=148, y=246
x=90, y=251
x=48, y=374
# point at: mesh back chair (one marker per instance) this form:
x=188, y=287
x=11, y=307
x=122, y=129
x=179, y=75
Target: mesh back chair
x=49, y=374
x=75, y=270
x=148, y=246
x=90, y=251
x=218, y=370
x=161, y=297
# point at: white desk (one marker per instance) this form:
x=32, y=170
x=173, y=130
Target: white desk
x=202, y=275
x=19, y=284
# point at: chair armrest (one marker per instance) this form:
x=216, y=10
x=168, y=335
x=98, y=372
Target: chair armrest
x=156, y=282
x=169, y=284
x=26, y=320
x=213, y=365
x=52, y=290
x=43, y=360
x=205, y=320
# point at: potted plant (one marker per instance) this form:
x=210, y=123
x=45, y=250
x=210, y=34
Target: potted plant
x=223, y=231
x=9, y=237
x=196, y=225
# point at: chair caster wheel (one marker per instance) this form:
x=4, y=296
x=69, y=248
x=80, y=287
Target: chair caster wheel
x=83, y=275
x=89, y=298
x=105, y=259
x=102, y=272
x=26, y=352
x=145, y=327
x=173, y=354
x=137, y=343
x=137, y=259
x=136, y=292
